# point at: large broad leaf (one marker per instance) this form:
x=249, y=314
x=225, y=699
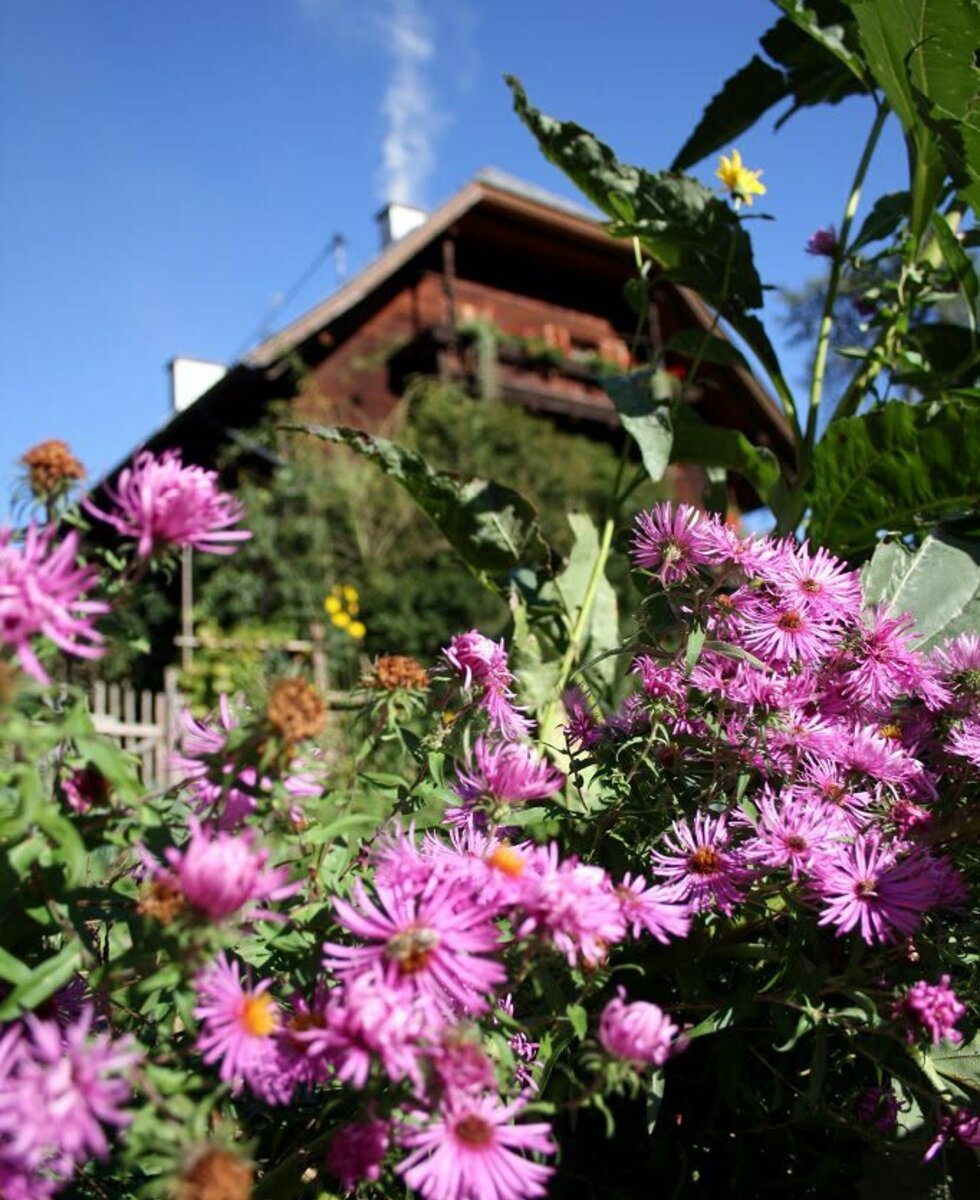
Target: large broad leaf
x=493, y=528
x=895, y=469
x=921, y=54
x=645, y=417
x=602, y=628
x=695, y=441
x=688, y=230
x=938, y=585
x=814, y=52
x=673, y=432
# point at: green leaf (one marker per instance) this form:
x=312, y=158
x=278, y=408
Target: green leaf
x=42, y=982
x=695, y=441
x=938, y=585
x=12, y=969
x=493, y=528
x=708, y=347
x=817, y=63
x=744, y=98
x=578, y=1018
x=920, y=53
x=646, y=421
x=881, y=222
x=959, y=1064
x=696, y=237
x=897, y=468
x=602, y=631
x=959, y=263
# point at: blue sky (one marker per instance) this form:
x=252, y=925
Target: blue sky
x=169, y=169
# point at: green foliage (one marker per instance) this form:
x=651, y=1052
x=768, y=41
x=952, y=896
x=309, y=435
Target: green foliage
x=938, y=585
x=899, y=467
x=492, y=528
x=813, y=47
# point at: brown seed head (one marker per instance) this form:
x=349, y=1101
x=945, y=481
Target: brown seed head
x=296, y=710
x=393, y=671
x=161, y=902
x=51, y=469
x=216, y=1175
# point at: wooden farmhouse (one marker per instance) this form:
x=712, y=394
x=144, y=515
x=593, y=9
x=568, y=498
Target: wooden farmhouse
x=504, y=289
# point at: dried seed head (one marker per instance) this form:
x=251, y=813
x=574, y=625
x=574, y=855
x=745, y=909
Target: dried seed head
x=296, y=710
x=51, y=469
x=393, y=671
x=216, y=1175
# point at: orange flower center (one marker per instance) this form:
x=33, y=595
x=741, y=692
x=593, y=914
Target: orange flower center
x=473, y=1130
x=790, y=621
x=505, y=858
x=891, y=731
x=704, y=861
x=412, y=949
x=259, y=1015
x=835, y=792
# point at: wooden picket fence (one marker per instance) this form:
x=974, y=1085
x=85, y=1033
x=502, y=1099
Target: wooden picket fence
x=145, y=723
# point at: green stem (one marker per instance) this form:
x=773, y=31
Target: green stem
x=827, y=320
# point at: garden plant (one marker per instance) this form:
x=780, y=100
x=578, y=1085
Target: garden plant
x=682, y=901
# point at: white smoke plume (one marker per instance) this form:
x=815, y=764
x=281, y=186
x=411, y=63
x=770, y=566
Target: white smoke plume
x=412, y=122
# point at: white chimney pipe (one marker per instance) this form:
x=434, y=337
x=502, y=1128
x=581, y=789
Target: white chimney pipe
x=190, y=378
x=395, y=220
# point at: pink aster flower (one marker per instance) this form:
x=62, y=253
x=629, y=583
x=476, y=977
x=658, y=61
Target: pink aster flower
x=460, y=1064
x=878, y=1107
x=700, y=866
x=60, y=1087
x=572, y=905
x=653, y=910
x=672, y=542
x=964, y=1125
x=219, y=874
x=932, y=1007
x=431, y=943
x=238, y=1024
x=786, y=633
x=819, y=583
x=639, y=1032
x=583, y=728
x=885, y=664
x=823, y=242
x=218, y=786
x=162, y=504
x=370, y=1023
x=470, y=1150
x=41, y=592
x=482, y=663
x=357, y=1151
x=865, y=886
x=791, y=832
x=964, y=741
x=505, y=773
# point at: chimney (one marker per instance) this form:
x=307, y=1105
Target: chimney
x=190, y=378
x=395, y=220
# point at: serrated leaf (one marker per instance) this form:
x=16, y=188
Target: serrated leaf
x=959, y=263
x=578, y=1018
x=897, y=468
x=814, y=65
x=493, y=528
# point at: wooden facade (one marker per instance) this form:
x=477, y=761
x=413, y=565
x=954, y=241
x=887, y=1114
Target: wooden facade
x=515, y=297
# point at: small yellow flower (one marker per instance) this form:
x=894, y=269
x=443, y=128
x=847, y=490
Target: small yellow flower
x=332, y=605
x=356, y=630
x=739, y=180
x=341, y=619
x=351, y=594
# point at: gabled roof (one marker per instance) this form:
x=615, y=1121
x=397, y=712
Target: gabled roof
x=519, y=199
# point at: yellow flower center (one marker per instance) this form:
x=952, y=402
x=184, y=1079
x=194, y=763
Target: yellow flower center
x=412, y=949
x=704, y=861
x=260, y=1016
x=505, y=858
